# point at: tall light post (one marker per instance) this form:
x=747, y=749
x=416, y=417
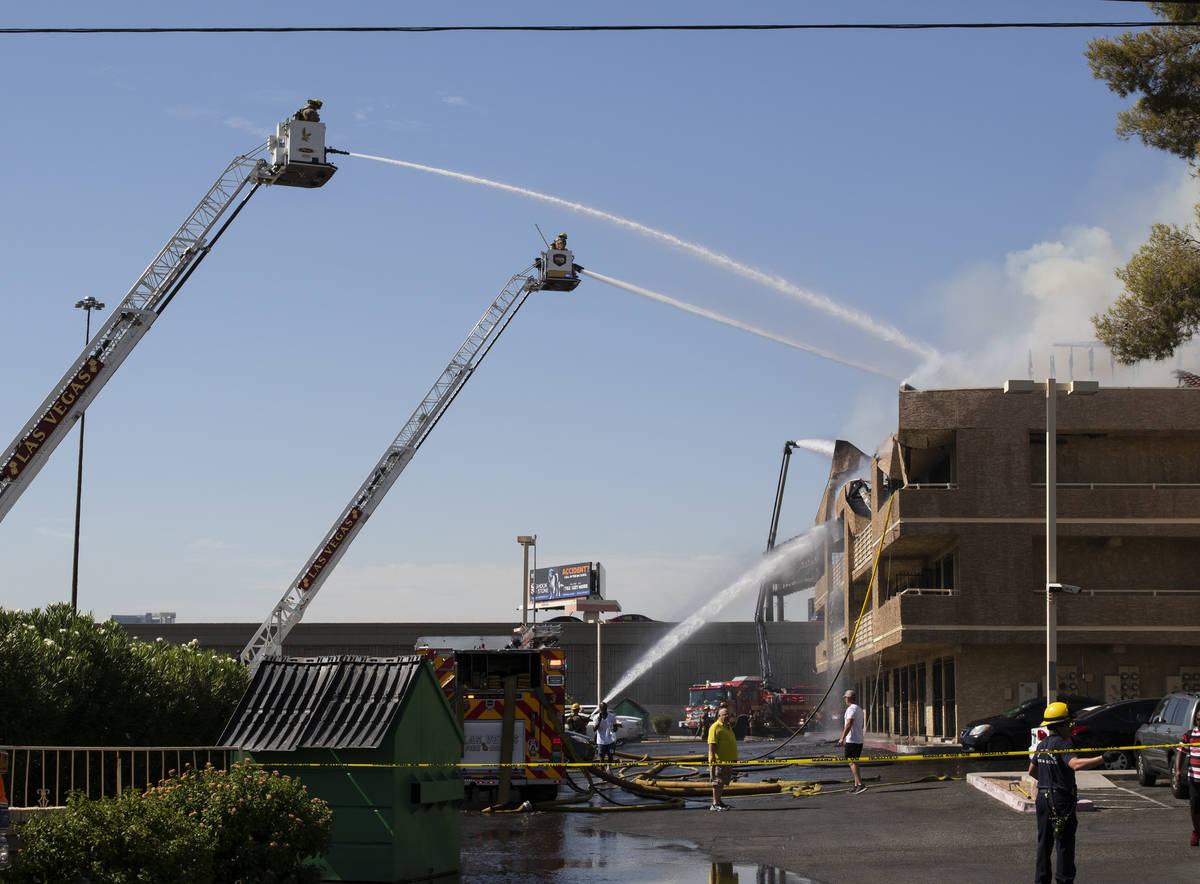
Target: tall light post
x=88, y=304
x=1051, y=389
x=526, y=541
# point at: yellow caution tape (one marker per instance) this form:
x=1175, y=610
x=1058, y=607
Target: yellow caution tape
x=668, y=762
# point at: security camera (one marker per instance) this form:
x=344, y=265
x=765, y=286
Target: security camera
x=1063, y=587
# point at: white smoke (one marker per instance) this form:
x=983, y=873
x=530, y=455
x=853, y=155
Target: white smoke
x=1023, y=307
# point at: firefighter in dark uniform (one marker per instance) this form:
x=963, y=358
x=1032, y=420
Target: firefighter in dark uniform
x=1053, y=766
x=560, y=242
x=309, y=113
x=576, y=721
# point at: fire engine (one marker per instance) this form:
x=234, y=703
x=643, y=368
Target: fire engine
x=756, y=708
x=510, y=703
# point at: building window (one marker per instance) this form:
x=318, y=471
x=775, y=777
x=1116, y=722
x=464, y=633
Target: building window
x=897, y=721
x=932, y=460
x=943, y=698
x=937, y=702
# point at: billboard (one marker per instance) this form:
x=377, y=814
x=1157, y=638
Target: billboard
x=576, y=581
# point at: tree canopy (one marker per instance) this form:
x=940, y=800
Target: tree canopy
x=1160, y=308
x=1162, y=65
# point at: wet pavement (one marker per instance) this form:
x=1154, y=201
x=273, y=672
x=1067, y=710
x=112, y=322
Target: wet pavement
x=908, y=826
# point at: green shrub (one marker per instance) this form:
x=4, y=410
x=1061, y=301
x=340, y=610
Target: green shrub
x=265, y=825
x=234, y=827
x=69, y=680
x=661, y=723
x=114, y=840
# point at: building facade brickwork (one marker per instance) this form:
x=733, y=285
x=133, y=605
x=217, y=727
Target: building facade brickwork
x=950, y=556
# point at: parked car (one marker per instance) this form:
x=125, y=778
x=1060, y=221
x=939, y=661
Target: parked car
x=631, y=727
x=1114, y=724
x=585, y=749
x=1010, y=730
x=630, y=618
x=1169, y=721
x=563, y=618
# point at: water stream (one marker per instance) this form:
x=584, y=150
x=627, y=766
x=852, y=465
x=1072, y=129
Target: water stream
x=717, y=317
x=776, y=560
x=871, y=326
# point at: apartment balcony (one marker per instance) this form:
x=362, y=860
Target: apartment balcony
x=1093, y=616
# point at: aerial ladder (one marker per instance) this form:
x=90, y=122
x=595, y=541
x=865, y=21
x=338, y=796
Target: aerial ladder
x=845, y=462
x=294, y=157
x=554, y=270
x=766, y=589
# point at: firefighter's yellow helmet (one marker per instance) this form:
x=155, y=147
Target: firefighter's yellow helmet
x=315, y=102
x=574, y=707
x=1056, y=713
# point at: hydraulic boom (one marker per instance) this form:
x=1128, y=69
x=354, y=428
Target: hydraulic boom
x=555, y=270
x=764, y=591
x=290, y=165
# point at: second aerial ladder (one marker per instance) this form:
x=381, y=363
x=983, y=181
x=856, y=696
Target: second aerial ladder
x=555, y=270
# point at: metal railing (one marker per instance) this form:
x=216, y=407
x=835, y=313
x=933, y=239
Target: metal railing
x=864, y=549
x=865, y=637
x=1153, y=486
x=43, y=776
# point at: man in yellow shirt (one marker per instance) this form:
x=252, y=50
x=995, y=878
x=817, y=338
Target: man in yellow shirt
x=722, y=754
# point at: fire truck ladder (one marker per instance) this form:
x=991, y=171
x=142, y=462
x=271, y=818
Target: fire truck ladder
x=128, y=323
x=762, y=609
x=268, y=641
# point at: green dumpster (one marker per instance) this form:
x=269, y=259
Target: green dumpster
x=376, y=739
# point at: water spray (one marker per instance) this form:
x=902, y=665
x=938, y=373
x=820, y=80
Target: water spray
x=777, y=560
x=820, y=446
x=733, y=323
x=823, y=303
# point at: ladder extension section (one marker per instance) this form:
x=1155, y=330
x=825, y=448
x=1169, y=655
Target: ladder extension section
x=103, y=355
x=268, y=641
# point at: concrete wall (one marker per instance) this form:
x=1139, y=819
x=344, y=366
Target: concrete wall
x=717, y=651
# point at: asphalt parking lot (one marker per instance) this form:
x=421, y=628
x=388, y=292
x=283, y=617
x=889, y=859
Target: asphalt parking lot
x=907, y=827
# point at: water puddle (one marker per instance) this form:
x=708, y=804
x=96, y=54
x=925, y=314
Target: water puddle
x=566, y=849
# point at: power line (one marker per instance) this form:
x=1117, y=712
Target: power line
x=418, y=29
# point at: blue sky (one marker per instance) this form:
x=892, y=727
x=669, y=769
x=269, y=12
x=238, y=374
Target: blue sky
x=963, y=187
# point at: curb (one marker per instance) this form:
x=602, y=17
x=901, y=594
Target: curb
x=998, y=785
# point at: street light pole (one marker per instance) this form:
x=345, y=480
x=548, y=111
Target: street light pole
x=526, y=541
x=1051, y=540
x=88, y=304
x=1051, y=389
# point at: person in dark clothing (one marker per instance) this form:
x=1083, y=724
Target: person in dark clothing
x=576, y=721
x=1053, y=766
x=309, y=113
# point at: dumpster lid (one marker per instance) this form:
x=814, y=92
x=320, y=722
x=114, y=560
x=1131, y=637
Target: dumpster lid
x=342, y=702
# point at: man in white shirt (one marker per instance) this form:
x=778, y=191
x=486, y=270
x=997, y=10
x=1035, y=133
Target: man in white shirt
x=852, y=738
x=606, y=726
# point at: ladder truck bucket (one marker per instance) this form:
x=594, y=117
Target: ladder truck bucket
x=298, y=155
x=557, y=270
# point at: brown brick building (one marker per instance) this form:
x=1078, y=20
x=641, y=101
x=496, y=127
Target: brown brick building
x=955, y=624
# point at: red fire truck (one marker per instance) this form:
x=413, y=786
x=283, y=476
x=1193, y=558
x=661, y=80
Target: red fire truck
x=756, y=708
x=510, y=702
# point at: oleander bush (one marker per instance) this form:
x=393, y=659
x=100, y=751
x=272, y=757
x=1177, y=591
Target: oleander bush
x=661, y=723
x=209, y=826
x=114, y=840
x=67, y=680
x=265, y=824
